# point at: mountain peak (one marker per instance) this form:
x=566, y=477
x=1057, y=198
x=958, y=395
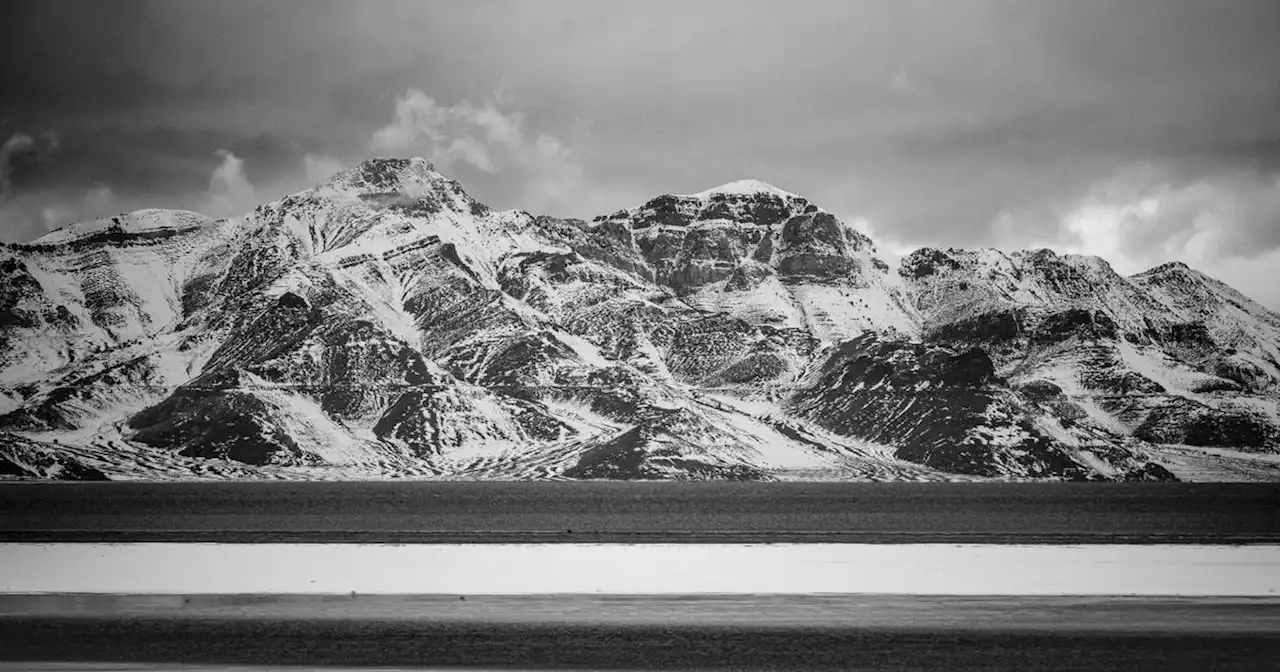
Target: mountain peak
x=150, y=221
x=1167, y=267
x=388, y=172
x=746, y=187
x=383, y=323
x=379, y=179
x=384, y=174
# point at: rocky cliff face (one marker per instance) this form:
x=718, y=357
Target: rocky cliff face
x=950, y=411
x=1168, y=355
x=768, y=257
x=384, y=323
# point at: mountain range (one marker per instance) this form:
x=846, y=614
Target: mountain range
x=386, y=324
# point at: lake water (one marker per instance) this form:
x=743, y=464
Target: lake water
x=593, y=599
x=649, y=512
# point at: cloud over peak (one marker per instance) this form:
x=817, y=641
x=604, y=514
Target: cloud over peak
x=230, y=192
x=959, y=123
x=484, y=136
x=318, y=168
x=491, y=138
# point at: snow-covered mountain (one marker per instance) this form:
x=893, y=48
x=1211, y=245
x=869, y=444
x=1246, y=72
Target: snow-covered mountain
x=384, y=323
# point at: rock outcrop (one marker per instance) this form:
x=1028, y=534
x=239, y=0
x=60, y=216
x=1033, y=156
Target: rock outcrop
x=384, y=323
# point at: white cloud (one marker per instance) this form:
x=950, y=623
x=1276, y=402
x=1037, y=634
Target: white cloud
x=904, y=83
x=1227, y=216
x=17, y=142
x=42, y=149
x=96, y=202
x=501, y=129
x=1140, y=218
x=99, y=198
x=230, y=192
x=416, y=114
x=320, y=168
x=30, y=215
x=466, y=149
x=555, y=178
x=1098, y=229
x=885, y=244
x=452, y=133
x=491, y=138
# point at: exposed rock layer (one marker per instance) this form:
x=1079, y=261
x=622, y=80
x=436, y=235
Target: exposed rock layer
x=386, y=323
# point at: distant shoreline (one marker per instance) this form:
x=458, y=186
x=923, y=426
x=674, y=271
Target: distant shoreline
x=1021, y=613
x=640, y=512
x=643, y=569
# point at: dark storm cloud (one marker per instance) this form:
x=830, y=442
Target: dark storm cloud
x=968, y=122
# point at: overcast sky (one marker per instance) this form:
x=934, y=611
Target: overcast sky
x=1140, y=130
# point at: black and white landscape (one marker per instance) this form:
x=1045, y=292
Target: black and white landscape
x=593, y=334
x=385, y=323
x=951, y=240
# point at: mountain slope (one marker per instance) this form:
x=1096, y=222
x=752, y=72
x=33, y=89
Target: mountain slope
x=384, y=323
x=1169, y=355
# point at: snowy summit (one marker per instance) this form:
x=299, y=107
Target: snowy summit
x=140, y=222
x=385, y=323
x=744, y=188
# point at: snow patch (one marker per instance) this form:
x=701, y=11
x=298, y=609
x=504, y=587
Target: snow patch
x=744, y=188
x=140, y=221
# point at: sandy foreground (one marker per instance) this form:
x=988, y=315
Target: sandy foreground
x=986, y=612
x=193, y=633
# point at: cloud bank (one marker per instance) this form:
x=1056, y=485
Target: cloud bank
x=960, y=123
x=490, y=138
x=229, y=190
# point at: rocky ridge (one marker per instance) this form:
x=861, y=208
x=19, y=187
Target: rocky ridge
x=386, y=324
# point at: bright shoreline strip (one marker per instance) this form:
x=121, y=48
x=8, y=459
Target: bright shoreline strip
x=678, y=569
